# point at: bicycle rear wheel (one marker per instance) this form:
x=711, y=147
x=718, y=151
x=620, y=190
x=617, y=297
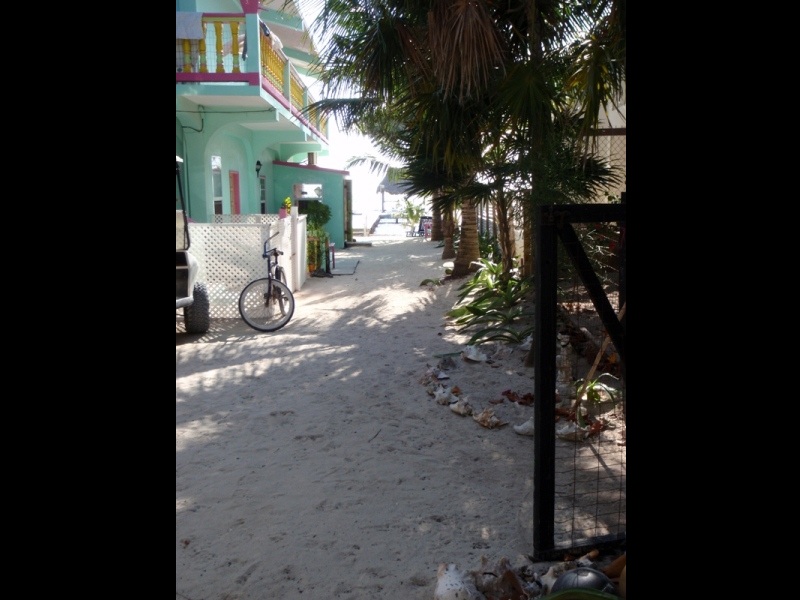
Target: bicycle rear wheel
x=266, y=304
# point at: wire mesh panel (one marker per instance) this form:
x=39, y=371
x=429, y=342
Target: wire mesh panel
x=590, y=496
x=580, y=454
x=610, y=144
x=590, y=451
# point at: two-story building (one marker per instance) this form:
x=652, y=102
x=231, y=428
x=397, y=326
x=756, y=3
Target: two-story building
x=242, y=128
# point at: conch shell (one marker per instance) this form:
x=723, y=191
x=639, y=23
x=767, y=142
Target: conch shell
x=473, y=354
x=488, y=419
x=455, y=584
x=571, y=432
x=461, y=407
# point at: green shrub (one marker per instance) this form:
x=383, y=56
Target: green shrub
x=494, y=302
x=317, y=213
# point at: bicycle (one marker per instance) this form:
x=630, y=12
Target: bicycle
x=267, y=303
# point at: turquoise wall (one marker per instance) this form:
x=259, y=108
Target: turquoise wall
x=206, y=131
x=286, y=175
x=234, y=144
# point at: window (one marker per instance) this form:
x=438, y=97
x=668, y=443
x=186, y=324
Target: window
x=216, y=177
x=262, y=185
x=307, y=191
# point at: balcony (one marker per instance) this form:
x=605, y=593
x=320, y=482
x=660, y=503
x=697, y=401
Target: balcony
x=212, y=68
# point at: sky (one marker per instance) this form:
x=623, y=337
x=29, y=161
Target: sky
x=343, y=147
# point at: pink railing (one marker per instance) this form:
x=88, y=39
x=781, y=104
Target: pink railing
x=217, y=58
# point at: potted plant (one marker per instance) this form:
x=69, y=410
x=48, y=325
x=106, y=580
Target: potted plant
x=315, y=239
x=317, y=215
x=285, y=207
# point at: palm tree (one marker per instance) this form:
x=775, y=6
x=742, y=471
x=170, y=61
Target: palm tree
x=598, y=60
x=384, y=51
x=419, y=177
x=450, y=75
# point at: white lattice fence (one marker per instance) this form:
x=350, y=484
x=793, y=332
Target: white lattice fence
x=230, y=255
x=252, y=219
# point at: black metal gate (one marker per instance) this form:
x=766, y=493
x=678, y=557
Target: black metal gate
x=587, y=511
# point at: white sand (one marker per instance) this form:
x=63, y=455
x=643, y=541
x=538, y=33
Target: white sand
x=311, y=463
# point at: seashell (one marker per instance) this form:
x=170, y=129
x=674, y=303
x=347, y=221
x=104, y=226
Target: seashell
x=526, y=343
x=431, y=388
x=429, y=376
x=571, y=432
x=443, y=395
x=488, y=419
x=503, y=582
x=455, y=584
x=526, y=428
x=553, y=573
x=472, y=353
x=461, y=407
x=587, y=560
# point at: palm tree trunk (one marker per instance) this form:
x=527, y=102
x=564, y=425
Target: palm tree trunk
x=468, y=245
x=448, y=229
x=437, y=233
x=527, y=239
x=505, y=233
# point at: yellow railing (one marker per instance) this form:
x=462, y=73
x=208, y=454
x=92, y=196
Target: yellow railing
x=227, y=41
x=220, y=51
x=297, y=91
x=272, y=63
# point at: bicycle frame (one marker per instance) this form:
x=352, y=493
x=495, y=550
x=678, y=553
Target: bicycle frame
x=267, y=303
x=272, y=267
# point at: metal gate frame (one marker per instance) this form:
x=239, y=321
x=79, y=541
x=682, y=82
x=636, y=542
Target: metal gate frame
x=554, y=222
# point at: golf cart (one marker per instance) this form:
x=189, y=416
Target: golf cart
x=190, y=294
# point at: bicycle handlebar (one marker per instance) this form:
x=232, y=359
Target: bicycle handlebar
x=275, y=252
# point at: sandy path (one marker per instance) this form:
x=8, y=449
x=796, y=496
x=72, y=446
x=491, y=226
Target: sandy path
x=311, y=463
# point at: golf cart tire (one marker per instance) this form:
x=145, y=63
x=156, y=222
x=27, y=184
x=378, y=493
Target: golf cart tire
x=196, y=316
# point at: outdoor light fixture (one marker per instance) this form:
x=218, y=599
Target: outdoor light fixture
x=258, y=167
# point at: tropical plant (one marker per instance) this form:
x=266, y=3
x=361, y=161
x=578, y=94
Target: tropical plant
x=509, y=335
x=490, y=249
x=598, y=241
x=316, y=241
x=597, y=391
x=317, y=213
x=594, y=391
x=412, y=212
x=495, y=301
x=287, y=203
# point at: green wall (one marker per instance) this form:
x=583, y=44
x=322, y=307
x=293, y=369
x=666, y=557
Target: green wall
x=286, y=175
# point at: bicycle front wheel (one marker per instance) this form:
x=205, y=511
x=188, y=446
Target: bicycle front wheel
x=266, y=304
